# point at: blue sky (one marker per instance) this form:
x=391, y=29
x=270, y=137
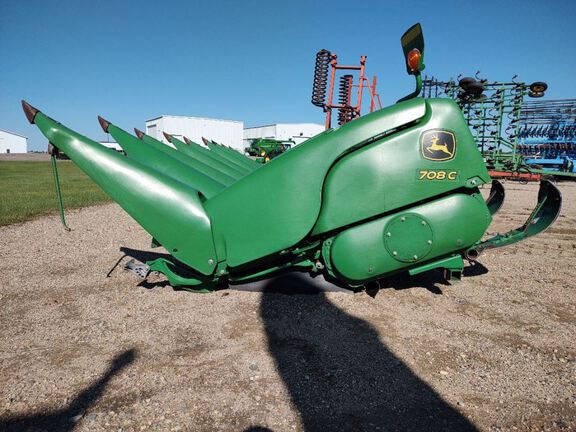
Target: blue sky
x=253, y=60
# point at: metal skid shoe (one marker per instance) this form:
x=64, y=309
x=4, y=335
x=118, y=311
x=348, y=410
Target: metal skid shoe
x=544, y=214
x=174, y=273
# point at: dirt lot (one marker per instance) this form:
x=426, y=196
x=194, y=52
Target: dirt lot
x=86, y=351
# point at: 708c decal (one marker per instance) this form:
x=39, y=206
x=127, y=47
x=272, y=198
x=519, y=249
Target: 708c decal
x=450, y=175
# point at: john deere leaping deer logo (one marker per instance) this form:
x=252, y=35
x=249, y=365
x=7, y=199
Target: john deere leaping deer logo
x=438, y=145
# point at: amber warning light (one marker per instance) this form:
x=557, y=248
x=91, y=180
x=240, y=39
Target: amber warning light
x=414, y=59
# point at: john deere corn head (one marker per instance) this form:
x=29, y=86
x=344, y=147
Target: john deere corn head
x=394, y=191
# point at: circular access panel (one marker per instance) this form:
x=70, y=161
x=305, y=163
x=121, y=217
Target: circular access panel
x=408, y=238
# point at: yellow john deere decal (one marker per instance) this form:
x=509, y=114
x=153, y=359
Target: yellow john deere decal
x=438, y=145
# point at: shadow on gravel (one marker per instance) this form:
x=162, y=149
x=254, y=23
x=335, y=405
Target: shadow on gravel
x=339, y=375
x=67, y=418
x=142, y=255
x=283, y=284
x=430, y=280
x=475, y=268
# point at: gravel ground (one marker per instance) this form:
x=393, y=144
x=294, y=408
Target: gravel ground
x=85, y=346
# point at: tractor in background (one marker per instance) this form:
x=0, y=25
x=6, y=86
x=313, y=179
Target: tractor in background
x=265, y=149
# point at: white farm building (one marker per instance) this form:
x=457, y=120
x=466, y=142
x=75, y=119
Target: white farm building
x=297, y=132
x=228, y=132
x=11, y=142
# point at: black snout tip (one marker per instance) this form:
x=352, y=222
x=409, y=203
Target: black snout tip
x=105, y=124
x=30, y=111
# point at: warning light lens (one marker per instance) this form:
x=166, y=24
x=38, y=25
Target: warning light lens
x=414, y=57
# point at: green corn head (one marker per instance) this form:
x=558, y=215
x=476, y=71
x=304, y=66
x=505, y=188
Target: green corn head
x=393, y=191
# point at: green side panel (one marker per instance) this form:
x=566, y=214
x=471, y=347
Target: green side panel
x=217, y=175
x=169, y=210
x=410, y=238
x=228, y=154
x=393, y=172
x=203, y=155
x=283, y=197
x=165, y=164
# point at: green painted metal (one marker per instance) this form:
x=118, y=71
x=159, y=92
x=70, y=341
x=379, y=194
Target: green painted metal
x=413, y=39
x=164, y=163
x=558, y=174
x=395, y=190
x=544, y=214
x=387, y=163
x=204, y=155
x=241, y=158
x=453, y=264
x=169, y=210
x=410, y=238
x=58, y=194
x=205, y=169
x=220, y=152
x=174, y=275
x=284, y=197
x=453, y=267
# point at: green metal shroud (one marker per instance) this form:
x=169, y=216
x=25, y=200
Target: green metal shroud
x=204, y=155
x=169, y=210
x=418, y=234
x=225, y=155
x=240, y=157
x=294, y=184
x=391, y=169
x=207, y=170
x=163, y=163
x=356, y=203
x=395, y=190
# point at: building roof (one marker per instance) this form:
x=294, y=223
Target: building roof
x=280, y=124
x=192, y=117
x=13, y=133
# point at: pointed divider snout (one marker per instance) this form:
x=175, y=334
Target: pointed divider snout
x=187, y=140
x=105, y=124
x=30, y=111
x=168, y=136
x=206, y=141
x=139, y=133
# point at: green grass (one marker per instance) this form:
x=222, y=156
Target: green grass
x=27, y=189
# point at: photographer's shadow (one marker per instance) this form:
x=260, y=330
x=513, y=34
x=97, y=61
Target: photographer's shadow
x=339, y=374
x=65, y=419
